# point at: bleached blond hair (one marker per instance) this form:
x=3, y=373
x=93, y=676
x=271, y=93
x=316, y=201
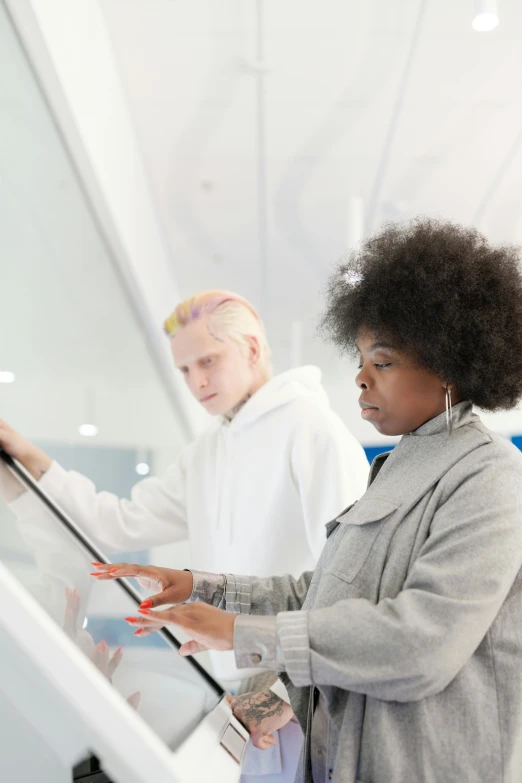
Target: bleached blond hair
x=228, y=312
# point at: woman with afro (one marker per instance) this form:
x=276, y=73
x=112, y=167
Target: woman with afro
x=402, y=651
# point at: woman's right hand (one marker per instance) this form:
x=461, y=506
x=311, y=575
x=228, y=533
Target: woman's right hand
x=32, y=458
x=171, y=586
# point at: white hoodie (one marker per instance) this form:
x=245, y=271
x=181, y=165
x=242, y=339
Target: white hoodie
x=252, y=495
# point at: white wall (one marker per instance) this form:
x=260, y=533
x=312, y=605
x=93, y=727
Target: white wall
x=90, y=106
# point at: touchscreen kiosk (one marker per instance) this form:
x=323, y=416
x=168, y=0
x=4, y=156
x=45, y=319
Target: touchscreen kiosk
x=77, y=688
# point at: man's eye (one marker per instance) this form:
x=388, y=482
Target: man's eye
x=382, y=366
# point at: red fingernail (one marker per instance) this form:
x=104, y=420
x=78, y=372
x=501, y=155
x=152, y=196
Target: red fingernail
x=98, y=573
x=111, y=570
x=132, y=619
x=102, y=646
x=137, y=633
x=144, y=611
x=118, y=651
x=94, y=562
x=145, y=604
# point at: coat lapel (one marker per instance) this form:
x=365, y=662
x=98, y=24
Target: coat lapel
x=400, y=478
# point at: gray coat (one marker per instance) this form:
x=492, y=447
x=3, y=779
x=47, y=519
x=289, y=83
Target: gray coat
x=411, y=625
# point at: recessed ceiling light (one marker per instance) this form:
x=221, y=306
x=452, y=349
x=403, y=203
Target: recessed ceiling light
x=88, y=430
x=484, y=23
x=486, y=16
x=7, y=377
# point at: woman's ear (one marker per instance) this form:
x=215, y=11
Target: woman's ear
x=254, y=349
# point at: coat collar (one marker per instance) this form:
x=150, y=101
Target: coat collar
x=462, y=414
x=401, y=477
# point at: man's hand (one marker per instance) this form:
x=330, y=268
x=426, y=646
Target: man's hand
x=262, y=714
x=10, y=487
x=210, y=628
x=32, y=458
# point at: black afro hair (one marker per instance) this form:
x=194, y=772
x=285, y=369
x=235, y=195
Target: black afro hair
x=443, y=293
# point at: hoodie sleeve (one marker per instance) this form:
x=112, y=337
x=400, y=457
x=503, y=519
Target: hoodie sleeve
x=330, y=469
x=155, y=514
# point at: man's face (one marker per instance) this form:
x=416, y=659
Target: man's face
x=217, y=372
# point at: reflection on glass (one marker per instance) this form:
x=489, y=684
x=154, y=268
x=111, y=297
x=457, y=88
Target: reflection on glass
x=53, y=563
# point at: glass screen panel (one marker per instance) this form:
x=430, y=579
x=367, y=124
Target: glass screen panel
x=52, y=560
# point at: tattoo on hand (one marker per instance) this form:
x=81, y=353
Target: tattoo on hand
x=256, y=707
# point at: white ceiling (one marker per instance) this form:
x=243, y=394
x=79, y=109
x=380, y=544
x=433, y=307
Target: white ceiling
x=261, y=121
x=400, y=104
x=253, y=167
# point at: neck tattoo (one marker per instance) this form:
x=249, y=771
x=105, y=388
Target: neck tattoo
x=238, y=407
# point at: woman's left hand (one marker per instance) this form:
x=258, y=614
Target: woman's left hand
x=210, y=628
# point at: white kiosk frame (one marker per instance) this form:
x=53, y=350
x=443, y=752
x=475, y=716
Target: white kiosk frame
x=74, y=709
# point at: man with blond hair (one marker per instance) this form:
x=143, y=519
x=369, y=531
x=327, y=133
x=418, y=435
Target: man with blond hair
x=252, y=493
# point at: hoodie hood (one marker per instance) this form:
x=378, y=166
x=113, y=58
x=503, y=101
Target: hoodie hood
x=279, y=391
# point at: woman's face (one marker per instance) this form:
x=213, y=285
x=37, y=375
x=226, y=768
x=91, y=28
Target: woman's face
x=397, y=395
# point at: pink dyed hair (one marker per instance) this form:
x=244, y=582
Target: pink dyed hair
x=230, y=312
x=200, y=304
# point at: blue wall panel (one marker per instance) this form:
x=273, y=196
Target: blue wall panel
x=373, y=451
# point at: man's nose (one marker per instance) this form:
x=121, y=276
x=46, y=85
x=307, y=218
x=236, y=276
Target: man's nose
x=199, y=380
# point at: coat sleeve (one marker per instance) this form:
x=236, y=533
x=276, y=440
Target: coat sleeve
x=251, y=595
x=330, y=469
x=255, y=639
x=412, y=646
x=155, y=514
x=248, y=594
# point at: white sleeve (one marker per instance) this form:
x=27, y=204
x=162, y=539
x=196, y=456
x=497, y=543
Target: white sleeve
x=155, y=514
x=331, y=471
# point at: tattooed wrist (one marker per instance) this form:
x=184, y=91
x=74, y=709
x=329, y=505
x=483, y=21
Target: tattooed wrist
x=253, y=708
